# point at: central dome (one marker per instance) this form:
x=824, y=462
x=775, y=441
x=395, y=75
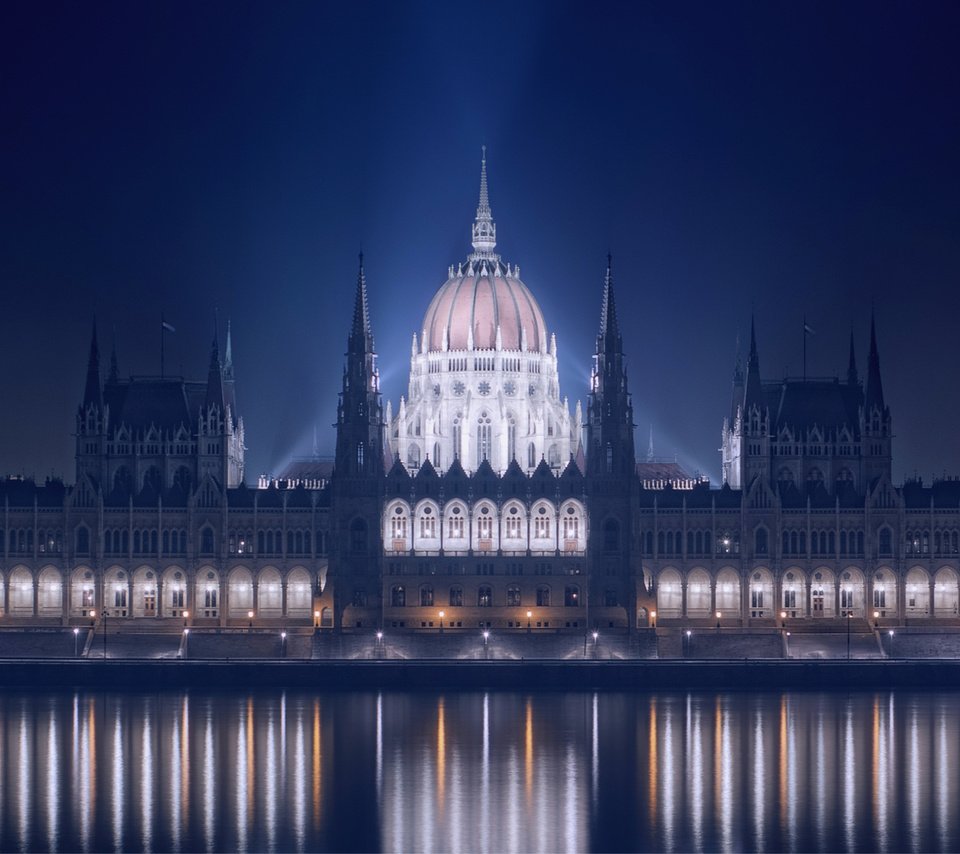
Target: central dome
x=473, y=304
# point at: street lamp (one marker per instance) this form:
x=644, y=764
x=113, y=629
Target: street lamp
x=186, y=616
x=876, y=619
x=891, y=643
x=596, y=635
x=316, y=619
x=529, y=615
x=653, y=619
x=783, y=619
x=250, y=618
x=719, y=615
x=442, y=615
x=486, y=638
x=687, y=636
x=849, y=618
x=283, y=644
x=104, y=634
x=76, y=635
x=186, y=638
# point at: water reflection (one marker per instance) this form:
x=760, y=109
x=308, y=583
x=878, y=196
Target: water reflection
x=483, y=772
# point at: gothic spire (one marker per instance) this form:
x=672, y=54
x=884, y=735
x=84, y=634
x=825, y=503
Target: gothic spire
x=360, y=333
x=484, y=228
x=228, y=358
x=852, y=377
x=753, y=394
x=874, y=394
x=92, y=393
x=609, y=328
x=215, y=376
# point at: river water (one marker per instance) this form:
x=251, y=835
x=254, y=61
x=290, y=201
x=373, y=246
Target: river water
x=290, y=771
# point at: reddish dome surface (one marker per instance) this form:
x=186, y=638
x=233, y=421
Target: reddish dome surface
x=483, y=302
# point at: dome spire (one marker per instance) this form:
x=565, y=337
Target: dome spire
x=484, y=228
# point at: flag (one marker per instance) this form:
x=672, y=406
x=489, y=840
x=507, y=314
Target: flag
x=167, y=326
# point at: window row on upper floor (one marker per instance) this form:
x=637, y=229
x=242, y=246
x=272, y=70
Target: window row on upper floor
x=484, y=526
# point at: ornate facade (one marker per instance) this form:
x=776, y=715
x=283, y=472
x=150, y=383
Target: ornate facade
x=482, y=503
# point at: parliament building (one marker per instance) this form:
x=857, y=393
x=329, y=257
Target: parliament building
x=482, y=500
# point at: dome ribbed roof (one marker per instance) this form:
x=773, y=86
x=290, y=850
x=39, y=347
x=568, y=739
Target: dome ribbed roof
x=478, y=303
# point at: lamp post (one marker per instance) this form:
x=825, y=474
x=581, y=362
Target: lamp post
x=486, y=637
x=283, y=643
x=876, y=619
x=316, y=620
x=529, y=615
x=379, y=643
x=719, y=615
x=76, y=637
x=442, y=614
x=104, y=634
x=686, y=646
x=849, y=618
x=186, y=616
x=596, y=635
x=783, y=621
x=250, y=625
x=891, y=643
x=186, y=638
x=653, y=619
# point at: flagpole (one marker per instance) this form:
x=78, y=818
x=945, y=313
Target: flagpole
x=804, y=348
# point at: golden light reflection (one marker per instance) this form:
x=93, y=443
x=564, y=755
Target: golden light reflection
x=528, y=752
x=441, y=752
x=652, y=782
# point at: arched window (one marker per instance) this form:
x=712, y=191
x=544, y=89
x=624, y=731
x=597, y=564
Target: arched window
x=358, y=536
x=206, y=541
x=511, y=439
x=513, y=523
x=543, y=596
x=426, y=596
x=398, y=596
x=122, y=481
x=456, y=596
x=413, y=456
x=541, y=523
x=484, y=434
x=484, y=596
x=182, y=479
x=761, y=541
x=513, y=596
x=428, y=523
x=436, y=454
x=83, y=540
x=455, y=523
x=151, y=479
x=398, y=524
x=571, y=596
x=886, y=542
x=531, y=455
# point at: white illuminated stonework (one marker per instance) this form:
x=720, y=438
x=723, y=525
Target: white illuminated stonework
x=483, y=372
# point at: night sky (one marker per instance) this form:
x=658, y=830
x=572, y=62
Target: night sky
x=790, y=159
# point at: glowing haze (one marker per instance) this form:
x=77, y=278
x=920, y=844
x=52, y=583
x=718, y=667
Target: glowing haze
x=790, y=160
